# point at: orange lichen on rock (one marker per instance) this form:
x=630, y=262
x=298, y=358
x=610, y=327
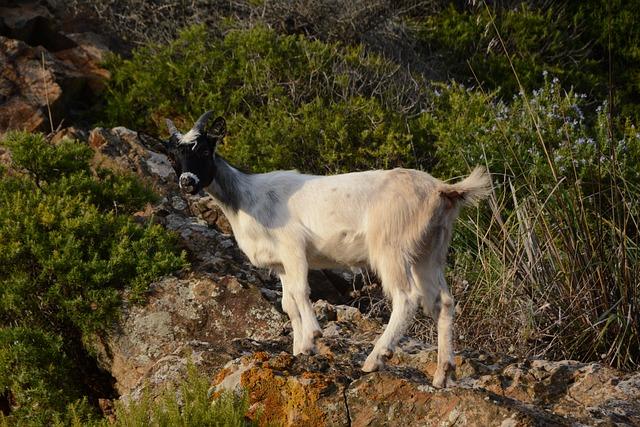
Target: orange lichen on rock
x=279, y=398
x=220, y=376
x=261, y=356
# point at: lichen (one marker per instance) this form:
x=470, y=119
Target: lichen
x=281, y=398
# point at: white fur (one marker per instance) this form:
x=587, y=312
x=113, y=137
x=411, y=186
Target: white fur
x=397, y=222
x=190, y=137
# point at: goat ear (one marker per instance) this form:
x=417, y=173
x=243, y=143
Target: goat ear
x=217, y=131
x=218, y=128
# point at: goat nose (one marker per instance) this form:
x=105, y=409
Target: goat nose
x=188, y=182
x=185, y=181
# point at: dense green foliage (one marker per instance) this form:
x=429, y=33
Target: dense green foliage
x=330, y=108
x=68, y=250
x=591, y=46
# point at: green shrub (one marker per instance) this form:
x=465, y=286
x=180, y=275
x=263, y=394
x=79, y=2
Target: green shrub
x=68, y=251
x=37, y=372
x=536, y=39
x=591, y=46
x=187, y=405
x=289, y=102
x=611, y=28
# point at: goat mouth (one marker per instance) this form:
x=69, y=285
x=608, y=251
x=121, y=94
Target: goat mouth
x=190, y=189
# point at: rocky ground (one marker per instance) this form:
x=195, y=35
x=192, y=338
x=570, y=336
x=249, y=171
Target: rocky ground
x=224, y=316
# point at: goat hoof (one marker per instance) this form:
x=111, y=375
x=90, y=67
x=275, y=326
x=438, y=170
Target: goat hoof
x=307, y=349
x=439, y=380
x=444, y=378
x=372, y=364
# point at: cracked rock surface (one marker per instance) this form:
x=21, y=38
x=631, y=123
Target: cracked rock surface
x=329, y=389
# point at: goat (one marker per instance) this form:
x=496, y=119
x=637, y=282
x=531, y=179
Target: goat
x=397, y=222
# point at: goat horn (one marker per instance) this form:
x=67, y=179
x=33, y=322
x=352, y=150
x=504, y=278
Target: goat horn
x=173, y=130
x=199, y=124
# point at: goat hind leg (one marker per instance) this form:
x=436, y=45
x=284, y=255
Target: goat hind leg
x=438, y=303
x=446, y=365
x=404, y=305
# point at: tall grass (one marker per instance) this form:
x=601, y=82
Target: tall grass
x=555, y=266
x=558, y=275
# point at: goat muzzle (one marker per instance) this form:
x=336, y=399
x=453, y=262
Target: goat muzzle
x=188, y=183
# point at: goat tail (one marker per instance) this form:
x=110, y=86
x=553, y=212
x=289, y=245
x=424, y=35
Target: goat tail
x=470, y=190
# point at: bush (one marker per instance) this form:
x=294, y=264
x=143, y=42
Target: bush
x=69, y=252
x=187, y=405
x=315, y=99
x=37, y=372
x=536, y=39
x=591, y=46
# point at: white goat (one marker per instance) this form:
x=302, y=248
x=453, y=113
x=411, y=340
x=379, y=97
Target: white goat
x=397, y=222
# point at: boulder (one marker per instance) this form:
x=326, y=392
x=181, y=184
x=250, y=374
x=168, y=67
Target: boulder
x=122, y=149
x=31, y=86
x=191, y=319
x=45, y=74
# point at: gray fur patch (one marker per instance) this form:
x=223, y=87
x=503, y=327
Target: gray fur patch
x=230, y=189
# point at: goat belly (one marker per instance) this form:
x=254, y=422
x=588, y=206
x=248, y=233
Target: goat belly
x=259, y=247
x=340, y=249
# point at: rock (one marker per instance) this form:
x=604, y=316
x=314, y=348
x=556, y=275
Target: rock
x=330, y=388
x=206, y=209
x=71, y=133
x=191, y=319
x=30, y=86
x=34, y=24
x=86, y=55
x=389, y=398
x=120, y=148
x=45, y=74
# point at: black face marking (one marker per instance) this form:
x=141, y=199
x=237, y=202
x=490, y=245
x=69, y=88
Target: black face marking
x=192, y=155
x=194, y=164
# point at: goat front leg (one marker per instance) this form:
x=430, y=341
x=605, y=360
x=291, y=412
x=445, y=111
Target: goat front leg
x=296, y=287
x=290, y=307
